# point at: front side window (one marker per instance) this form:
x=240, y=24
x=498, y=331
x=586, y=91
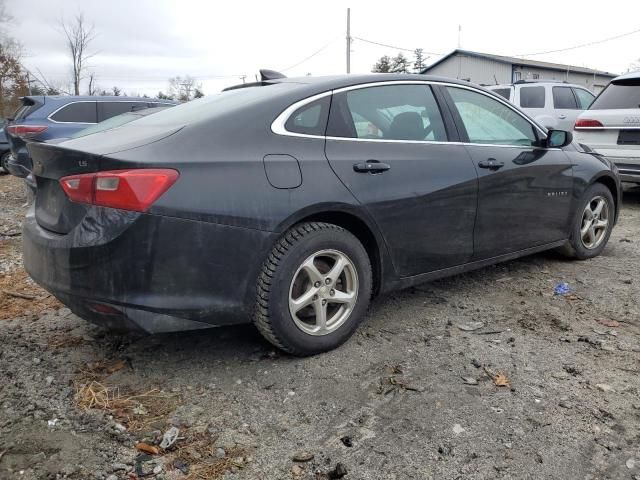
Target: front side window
x=79, y=112
x=585, y=98
x=394, y=112
x=310, y=119
x=488, y=121
x=563, y=98
x=532, y=97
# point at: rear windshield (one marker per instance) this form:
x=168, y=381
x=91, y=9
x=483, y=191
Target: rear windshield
x=214, y=105
x=27, y=108
x=617, y=96
x=503, y=92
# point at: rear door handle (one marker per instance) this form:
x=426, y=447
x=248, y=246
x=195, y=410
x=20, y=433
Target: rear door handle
x=491, y=164
x=371, y=166
x=562, y=116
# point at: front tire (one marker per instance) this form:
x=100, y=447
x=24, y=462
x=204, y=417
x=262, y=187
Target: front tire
x=592, y=224
x=314, y=289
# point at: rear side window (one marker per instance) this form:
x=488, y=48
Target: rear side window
x=79, y=112
x=503, y=92
x=310, y=119
x=111, y=109
x=585, y=98
x=398, y=112
x=563, y=98
x=617, y=96
x=532, y=97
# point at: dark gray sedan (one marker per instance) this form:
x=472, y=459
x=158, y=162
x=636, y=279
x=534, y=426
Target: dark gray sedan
x=290, y=202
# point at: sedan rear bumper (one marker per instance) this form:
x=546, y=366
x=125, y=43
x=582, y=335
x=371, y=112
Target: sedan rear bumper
x=127, y=270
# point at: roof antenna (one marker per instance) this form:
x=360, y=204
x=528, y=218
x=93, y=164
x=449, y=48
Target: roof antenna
x=266, y=74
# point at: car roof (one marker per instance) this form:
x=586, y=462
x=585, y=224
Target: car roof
x=330, y=82
x=532, y=84
x=627, y=76
x=120, y=98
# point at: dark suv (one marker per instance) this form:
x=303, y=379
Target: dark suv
x=42, y=118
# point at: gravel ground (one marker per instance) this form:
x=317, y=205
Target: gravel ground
x=481, y=376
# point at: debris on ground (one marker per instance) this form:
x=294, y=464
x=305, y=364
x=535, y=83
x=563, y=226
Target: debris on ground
x=562, y=288
x=146, y=448
x=303, y=457
x=470, y=327
x=169, y=438
x=338, y=472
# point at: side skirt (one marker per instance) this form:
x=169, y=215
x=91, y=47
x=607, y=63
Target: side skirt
x=406, y=282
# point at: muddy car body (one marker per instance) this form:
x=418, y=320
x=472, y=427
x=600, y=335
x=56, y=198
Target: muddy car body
x=300, y=195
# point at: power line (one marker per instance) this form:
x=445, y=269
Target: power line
x=309, y=57
x=392, y=46
x=582, y=45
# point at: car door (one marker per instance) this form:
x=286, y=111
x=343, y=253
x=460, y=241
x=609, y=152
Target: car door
x=566, y=108
x=525, y=190
x=390, y=145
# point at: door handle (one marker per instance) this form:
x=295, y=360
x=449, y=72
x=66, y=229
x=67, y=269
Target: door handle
x=562, y=116
x=371, y=166
x=491, y=164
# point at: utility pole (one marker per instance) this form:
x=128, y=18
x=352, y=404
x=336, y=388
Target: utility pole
x=348, y=40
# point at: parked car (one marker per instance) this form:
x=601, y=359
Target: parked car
x=611, y=126
x=5, y=151
x=555, y=105
x=43, y=118
x=292, y=201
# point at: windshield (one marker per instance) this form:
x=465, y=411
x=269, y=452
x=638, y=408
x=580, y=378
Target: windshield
x=217, y=104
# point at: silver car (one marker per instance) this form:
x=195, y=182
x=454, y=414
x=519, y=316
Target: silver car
x=555, y=105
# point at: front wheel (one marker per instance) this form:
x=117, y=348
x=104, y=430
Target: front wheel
x=592, y=223
x=314, y=289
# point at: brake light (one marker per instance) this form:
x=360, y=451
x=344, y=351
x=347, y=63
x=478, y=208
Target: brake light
x=123, y=189
x=587, y=123
x=25, y=131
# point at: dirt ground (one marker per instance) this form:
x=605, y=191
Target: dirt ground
x=486, y=375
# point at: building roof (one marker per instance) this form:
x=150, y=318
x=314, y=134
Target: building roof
x=522, y=61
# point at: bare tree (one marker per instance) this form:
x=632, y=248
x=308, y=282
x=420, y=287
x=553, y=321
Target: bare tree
x=183, y=88
x=79, y=36
x=635, y=66
x=93, y=89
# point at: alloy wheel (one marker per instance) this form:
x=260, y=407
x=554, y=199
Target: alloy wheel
x=323, y=292
x=595, y=222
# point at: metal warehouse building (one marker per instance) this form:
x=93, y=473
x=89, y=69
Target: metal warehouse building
x=487, y=69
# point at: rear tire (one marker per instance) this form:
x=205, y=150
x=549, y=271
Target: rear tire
x=592, y=224
x=3, y=161
x=314, y=289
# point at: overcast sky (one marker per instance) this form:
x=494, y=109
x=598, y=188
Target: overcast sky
x=141, y=43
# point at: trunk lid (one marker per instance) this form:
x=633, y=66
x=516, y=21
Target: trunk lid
x=54, y=211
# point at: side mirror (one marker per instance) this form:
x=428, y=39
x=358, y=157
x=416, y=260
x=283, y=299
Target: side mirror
x=558, y=138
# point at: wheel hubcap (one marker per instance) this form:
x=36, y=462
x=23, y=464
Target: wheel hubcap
x=323, y=292
x=595, y=222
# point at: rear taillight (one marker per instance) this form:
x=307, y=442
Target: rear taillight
x=587, y=123
x=124, y=189
x=25, y=131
